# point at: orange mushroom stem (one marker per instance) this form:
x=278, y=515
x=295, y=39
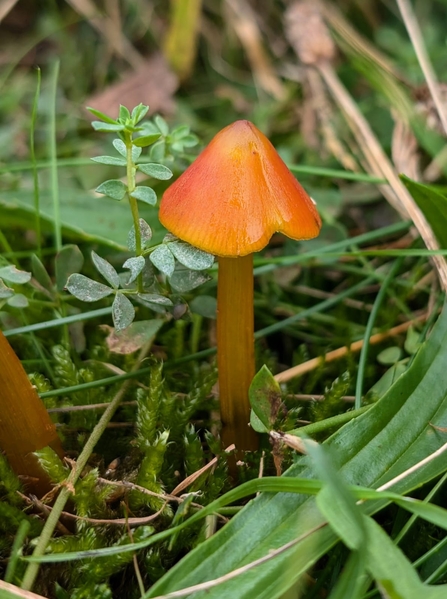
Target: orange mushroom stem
x=25, y=425
x=229, y=202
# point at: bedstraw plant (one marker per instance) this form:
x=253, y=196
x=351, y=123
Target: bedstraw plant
x=155, y=271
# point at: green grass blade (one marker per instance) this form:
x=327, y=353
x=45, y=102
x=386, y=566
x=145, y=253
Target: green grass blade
x=368, y=331
x=53, y=156
x=33, y=160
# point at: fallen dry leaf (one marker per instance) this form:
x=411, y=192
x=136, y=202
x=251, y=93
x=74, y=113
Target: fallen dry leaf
x=153, y=83
x=133, y=338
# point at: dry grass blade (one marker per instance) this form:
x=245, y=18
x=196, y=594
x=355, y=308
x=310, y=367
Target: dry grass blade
x=334, y=17
x=5, y=7
x=399, y=197
x=323, y=109
x=195, y=475
x=14, y=591
x=379, y=163
x=424, y=61
x=110, y=30
x=243, y=20
x=417, y=466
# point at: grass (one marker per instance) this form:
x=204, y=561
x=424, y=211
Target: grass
x=158, y=427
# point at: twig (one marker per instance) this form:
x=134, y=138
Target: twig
x=340, y=352
x=128, y=485
x=45, y=510
x=135, y=564
x=165, y=497
x=133, y=522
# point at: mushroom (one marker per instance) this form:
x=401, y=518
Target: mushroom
x=25, y=425
x=229, y=202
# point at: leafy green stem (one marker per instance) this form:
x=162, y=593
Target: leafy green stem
x=131, y=169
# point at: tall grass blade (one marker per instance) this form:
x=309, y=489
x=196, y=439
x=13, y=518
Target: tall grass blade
x=34, y=163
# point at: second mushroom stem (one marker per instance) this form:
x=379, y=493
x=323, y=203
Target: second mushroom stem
x=235, y=350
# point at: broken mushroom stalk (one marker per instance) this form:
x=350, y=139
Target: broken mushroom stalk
x=25, y=425
x=229, y=202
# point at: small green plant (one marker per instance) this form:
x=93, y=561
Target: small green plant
x=154, y=271
x=10, y=295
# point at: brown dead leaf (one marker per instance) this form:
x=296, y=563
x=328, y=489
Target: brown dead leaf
x=132, y=338
x=294, y=442
x=5, y=7
x=307, y=32
x=153, y=83
x=404, y=149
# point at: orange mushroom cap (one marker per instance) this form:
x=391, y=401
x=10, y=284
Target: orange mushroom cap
x=236, y=194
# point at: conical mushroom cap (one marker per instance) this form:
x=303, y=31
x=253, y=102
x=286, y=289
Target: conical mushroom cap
x=236, y=194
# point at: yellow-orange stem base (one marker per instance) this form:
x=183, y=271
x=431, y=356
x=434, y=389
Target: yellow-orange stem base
x=25, y=425
x=235, y=350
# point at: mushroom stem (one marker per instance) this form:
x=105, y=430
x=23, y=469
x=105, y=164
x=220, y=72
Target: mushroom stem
x=235, y=350
x=25, y=425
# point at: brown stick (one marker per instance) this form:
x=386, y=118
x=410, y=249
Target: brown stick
x=25, y=425
x=235, y=350
x=340, y=352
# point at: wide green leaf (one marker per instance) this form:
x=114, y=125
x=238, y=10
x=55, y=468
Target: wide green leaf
x=434, y=206
x=107, y=224
x=393, y=435
x=265, y=400
x=352, y=579
x=335, y=501
x=392, y=571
